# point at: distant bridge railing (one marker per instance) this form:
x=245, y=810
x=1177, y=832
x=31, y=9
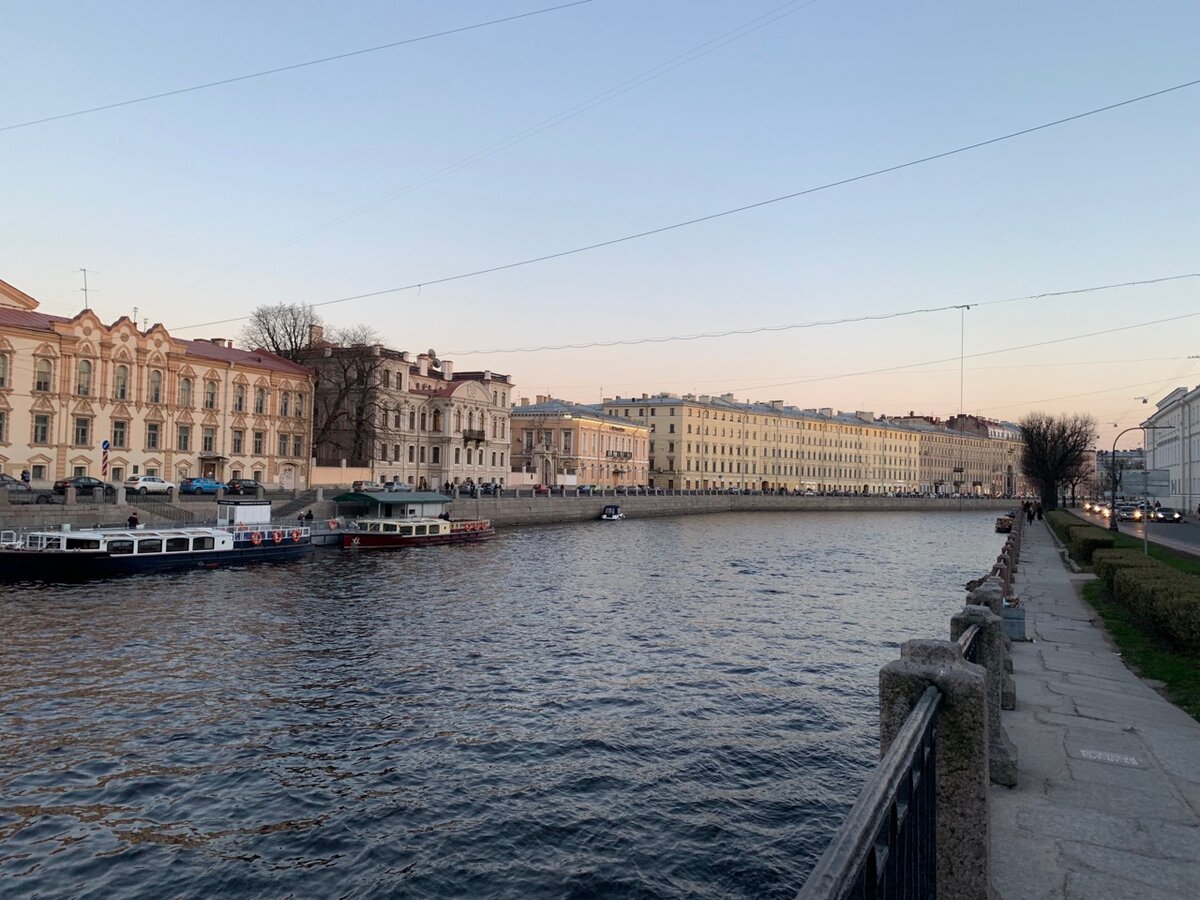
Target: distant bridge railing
x=919, y=828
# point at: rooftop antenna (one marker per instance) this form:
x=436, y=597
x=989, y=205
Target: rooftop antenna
x=84, y=288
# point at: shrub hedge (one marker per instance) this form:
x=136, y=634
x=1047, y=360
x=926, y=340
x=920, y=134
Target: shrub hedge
x=1060, y=521
x=1084, y=540
x=1107, y=562
x=1166, y=598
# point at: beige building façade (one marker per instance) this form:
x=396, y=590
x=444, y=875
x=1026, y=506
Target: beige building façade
x=561, y=443
x=165, y=406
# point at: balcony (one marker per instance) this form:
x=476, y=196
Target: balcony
x=619, y=454
x=474, y=434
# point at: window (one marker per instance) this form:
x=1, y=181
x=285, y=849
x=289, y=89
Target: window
x=3, y=370
x=260, y=439
x=208, y=440
x=83, y=378
x=178, y=544
x=260, y=401
x=152, y=432
x=396, y=452
x=118, y=474
x=412, y=453
x=121, y=383
x=122, y=548
x=238, y=444
x=150, y=470
x=155, y=394
x=202, y=543
x=257, y=475
x=424, y=422
x=210, y=395
x=285, y=403
x=437, y=454
x=412, y=420
x=299, y=406
x=43, y=375
x=421, y=454
x=386, y=378
x=3, y=426
x=150, y=545
x=283, y=445
x=185, y=392
x=457, y=455
x=185, y=438
x=41, y=429
x=239, y=398
x=120, y=434
x=297, y=445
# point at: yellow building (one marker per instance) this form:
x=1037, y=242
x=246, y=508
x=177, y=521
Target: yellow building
x=164, y=406
x=567, y=443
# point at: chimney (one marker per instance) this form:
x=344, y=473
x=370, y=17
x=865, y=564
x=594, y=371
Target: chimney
x=826, y=411
x=542, y=398
x=423, y=364
x=524, y=401
x=447, y=370
x=645, y=396
x=316, y=333
x=865, y=416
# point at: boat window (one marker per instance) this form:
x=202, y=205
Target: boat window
x=202, y=543
x=178, y=545
x=420, y=529
x=120, y=547
x=83, y=544
x=52, y=543
x=372, y=526
x=391, y=527
x=150, y=545
x=406, y=531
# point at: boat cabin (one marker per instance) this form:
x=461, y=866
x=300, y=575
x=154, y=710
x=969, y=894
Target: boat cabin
x=396, y=505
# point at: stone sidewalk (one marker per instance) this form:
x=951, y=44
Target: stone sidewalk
x=1107, y=803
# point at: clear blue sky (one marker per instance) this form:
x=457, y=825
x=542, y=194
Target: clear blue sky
x=179, y=206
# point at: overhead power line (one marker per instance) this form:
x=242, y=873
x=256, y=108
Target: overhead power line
x=689, y=56
x=739, y=209
x=300, y=65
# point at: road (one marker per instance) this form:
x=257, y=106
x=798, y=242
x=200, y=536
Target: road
x=1185, y=536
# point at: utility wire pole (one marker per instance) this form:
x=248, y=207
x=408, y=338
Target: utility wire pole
x=84, y=288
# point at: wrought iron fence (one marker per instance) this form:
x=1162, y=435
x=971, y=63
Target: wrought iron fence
x=887, y=845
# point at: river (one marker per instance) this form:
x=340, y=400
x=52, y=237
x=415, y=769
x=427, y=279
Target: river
x=678, y=707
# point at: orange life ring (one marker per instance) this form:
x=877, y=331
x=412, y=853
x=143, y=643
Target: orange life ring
x=296, y=535
x=332, y=523
x=277, y=536
x=256, y=538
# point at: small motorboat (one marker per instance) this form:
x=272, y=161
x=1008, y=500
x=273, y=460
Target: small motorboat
x=612, y=513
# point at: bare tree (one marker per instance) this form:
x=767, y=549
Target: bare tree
x=1056, y=448
x=285, y=329
x=347, y=401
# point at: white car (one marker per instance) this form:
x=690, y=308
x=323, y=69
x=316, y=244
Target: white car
x=149, y=484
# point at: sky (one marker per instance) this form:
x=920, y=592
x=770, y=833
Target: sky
x=570, y=127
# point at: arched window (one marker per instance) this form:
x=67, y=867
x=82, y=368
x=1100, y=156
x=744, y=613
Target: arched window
x=299, y=406
x=260, y=401
x=83, y=378
x=458, y=420
x=121, y=383
x=3, y=370
x=155, y=395
x=437, y=420
x=43, y=375
x=185, y=392
x=239, y=398
x=285, y=404
x=424, y=421
x=210, y=395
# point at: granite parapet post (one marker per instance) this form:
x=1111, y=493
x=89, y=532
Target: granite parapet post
x=989, y=650
x=963, y=843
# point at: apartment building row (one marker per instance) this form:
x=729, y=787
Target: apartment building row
x=693, y=442
x=1172, y=435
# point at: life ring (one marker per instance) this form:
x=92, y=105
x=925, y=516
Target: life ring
x=296, y=535
x=333, y=524
x=256, y=538
x=277, y=536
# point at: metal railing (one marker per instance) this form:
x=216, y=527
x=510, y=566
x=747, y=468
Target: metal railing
x=887, y=844
x=969, y=644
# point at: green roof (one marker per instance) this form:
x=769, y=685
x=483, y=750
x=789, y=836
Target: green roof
x=414, y=498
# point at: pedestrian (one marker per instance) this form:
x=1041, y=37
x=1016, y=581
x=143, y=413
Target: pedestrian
x=308, y=517
x=25, y=475
x=1029, y=511
x=1038, y=510
x=132, y=521
x=300, y=518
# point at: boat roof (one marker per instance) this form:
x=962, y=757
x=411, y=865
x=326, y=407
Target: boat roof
x=128, y=532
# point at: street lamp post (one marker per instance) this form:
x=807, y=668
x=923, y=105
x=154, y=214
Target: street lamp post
x=1112, y=467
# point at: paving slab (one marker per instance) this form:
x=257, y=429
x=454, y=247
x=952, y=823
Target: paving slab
x=1107, y=802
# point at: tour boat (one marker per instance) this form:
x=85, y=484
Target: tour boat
x=414, y=519
x=243, y=534
x=612, y=513
x=414, y=531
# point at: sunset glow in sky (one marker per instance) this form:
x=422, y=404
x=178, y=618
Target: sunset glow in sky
x=609, y=118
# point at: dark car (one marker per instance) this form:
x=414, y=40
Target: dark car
x=1166, y=514
x=20, y=492
x=242, y=486
x=585, y=490
x=85, y=486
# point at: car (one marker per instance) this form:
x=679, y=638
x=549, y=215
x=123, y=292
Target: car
x=85, y=486
x=489, y=489
x=1126, y=512
x=541, y=489
x=366, y=486
x=243, y=486
x=201, y=486
x=397, y=487
x=148, y=484
x=586, y=490
x=1167, y=514
x=20, y=492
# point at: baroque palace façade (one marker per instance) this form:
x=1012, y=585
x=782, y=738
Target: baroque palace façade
x=169, y=407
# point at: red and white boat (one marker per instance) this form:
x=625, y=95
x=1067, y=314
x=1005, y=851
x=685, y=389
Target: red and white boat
x=407, y=519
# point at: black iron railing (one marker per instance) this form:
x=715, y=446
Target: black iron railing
x=887, y=846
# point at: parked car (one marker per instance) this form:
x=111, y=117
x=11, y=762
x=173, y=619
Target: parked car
x=586, y=490
x=201, y=486
x=242, y=486
x=489, y=489
x=148, y=484
x=397, y=487
x=1167, y=514
x=20, y=492
x=85, y=486
x=366, y=486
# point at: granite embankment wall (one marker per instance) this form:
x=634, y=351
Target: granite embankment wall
x=541, y=510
